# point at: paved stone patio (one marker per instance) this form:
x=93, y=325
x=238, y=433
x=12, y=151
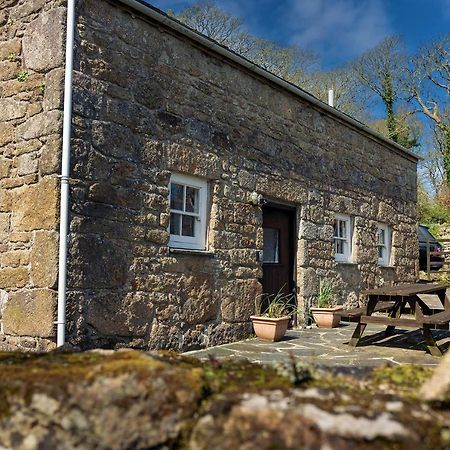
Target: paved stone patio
x=328, y=349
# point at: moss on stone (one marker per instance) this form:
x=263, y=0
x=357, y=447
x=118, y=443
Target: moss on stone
x=405, y=379
x=21, y=375
x=231, y=377
x=217, y=387
x=24, y=374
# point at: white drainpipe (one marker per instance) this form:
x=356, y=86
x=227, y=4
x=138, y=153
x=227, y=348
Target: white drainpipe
x=65, y=171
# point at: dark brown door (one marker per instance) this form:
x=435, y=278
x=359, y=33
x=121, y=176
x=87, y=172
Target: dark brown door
x=278, y=250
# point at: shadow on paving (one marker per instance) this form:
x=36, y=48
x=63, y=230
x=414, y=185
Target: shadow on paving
x=406, y=339
x=328, y=349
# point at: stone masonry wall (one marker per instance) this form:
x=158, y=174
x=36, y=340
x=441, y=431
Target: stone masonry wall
x=148, y=102
x=31, y=75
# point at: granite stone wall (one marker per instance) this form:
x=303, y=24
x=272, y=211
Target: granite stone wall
x=148, y=102
x=31, y=74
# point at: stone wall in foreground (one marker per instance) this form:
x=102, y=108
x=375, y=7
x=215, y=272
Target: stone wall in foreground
x=31, y=75
x=187, y=404
x=147, y=103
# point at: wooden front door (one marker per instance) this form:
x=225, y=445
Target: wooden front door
x=278, y=250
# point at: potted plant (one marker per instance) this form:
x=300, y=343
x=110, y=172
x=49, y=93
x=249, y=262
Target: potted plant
x=271, y=322
x=326, y=314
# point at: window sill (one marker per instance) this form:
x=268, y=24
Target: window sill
x=188, y=251
x=346, y=263
x=386, y=267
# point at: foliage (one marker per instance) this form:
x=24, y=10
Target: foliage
x=408, y=128
x=275, y=305
x=432, y=211
x=435, y=212
x=326, y=296
x=23, y=76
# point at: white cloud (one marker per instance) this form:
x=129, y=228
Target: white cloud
x=335, y=29
x=338, y=28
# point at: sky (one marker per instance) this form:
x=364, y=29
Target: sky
x=337, y=30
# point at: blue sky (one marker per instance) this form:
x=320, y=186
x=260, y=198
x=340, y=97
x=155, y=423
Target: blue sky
x=337, y=30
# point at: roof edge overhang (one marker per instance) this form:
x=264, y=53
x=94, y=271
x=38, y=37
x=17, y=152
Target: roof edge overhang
x=161, y=17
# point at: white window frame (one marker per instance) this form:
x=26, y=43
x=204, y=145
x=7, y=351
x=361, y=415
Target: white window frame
x=197, y=242
x=384, y=260
x=347, y=255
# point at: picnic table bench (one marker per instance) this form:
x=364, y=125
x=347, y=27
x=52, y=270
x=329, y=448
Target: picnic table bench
x=353, y=315
x=428, y=303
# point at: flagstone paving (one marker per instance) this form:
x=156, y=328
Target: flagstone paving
x=328, y=349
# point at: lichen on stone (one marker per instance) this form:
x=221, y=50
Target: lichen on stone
x=130, y=399
x=405, y=378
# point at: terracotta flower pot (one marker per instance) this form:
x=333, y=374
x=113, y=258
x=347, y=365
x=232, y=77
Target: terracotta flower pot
x=270, y=329
x=327, y=317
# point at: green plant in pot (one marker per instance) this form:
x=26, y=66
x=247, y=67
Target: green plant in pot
x=326, y=314
x=272, y=315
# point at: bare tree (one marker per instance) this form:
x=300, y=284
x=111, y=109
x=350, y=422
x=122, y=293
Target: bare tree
x=206, y=18
x=290, y=63
x=432, y=166
x=428, y=82
x=348, y=95
x=381, y=70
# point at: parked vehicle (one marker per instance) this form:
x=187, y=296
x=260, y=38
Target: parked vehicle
x=436, y=257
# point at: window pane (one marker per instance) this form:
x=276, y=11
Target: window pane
x=271, y=246
x=175, y=221
x=422, y=234
x=192, y=196
x=188, y=228
x=381, y=236
x=339, y=246
x=336, y=228
x=176, y=196
x=381, y=252
x=425, y=234
x=342, y=228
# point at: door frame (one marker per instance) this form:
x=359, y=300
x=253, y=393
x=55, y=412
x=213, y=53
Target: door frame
x=292, y=212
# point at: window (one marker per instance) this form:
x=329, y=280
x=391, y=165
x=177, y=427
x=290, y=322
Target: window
x=342, y=238
x=271, y=252
x=188, y=197
x=384, y=244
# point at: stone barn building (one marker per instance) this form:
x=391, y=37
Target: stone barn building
x=197, y=181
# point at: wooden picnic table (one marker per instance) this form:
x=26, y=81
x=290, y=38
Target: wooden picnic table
x=428, y=303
